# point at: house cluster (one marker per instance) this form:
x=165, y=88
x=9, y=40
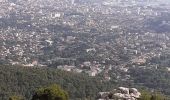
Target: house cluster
x=82, y=36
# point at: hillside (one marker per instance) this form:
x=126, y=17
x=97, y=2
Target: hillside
x=16, y=80
x=19, y=80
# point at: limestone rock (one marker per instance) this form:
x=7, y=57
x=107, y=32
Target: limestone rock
x=121, y=93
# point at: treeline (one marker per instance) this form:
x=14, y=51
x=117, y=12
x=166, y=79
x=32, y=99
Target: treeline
x=52, y=92
x=154, y=79
x=55, y=92
x=18, y=80
x=23, y=81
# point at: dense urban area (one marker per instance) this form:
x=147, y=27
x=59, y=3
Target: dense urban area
x=119, y=41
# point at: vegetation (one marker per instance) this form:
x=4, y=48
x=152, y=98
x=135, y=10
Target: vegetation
x=154, y=79
x=152, y=96
x=24, y=81
x=53, y=92
x=16, y=97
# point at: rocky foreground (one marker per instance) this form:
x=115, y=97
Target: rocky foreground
x=121, y=93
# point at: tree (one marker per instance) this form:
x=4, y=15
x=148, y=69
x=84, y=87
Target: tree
x=53, y=92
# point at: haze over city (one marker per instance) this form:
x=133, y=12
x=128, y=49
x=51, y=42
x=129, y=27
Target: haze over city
x=84, y=49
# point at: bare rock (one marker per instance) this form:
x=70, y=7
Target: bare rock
x=121, y=93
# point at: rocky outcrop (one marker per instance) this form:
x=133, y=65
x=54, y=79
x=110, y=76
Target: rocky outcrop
x=121, y=93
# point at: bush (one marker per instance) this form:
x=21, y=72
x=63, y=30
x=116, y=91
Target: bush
x=53, y=92
x=152, y=96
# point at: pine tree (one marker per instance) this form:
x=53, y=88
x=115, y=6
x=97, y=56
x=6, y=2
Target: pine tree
x=53, y=92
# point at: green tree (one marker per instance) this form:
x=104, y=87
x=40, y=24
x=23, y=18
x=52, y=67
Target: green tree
x=53, y=92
